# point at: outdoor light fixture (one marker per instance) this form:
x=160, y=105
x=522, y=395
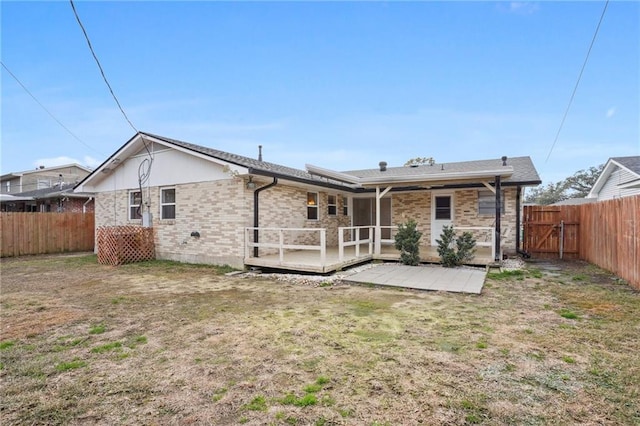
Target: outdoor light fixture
x=251, y=184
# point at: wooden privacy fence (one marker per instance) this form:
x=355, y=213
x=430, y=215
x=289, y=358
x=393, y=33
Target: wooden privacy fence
x=606, y=233
x=552, y=232
x=42, y=233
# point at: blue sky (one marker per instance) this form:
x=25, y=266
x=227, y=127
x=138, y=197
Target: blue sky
x=342, y=85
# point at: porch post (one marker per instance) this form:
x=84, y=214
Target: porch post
x=498, y=225
x=379, y=195
x=378, y=247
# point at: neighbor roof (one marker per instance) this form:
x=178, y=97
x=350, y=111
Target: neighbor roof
x=631, y=163
x=44, y=169
x=55, y=191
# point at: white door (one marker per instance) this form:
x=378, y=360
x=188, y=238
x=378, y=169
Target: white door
x=441, y=215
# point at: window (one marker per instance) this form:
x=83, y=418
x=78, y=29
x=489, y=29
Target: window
x=332, y=207
x=135, y=200
x=43, y=184
x=345, y=206
x=168, y=203
x=487, y=203
x=8, y=186
x=443, y=207
x=312, y=205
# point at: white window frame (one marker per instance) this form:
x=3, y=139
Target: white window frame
x=332, y=206
x=312, y=203
x=131, y=205
x=163, y=204
x=345, y=205
x=484, y=194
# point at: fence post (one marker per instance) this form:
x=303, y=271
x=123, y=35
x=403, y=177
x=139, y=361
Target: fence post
x=340, y=244
x=561, y=238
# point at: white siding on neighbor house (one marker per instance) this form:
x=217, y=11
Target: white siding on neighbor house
x=611, y=187
x=170, y=167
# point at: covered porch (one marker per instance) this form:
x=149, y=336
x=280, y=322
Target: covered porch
x=306, y=249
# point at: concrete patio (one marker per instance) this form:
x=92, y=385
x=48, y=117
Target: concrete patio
x=426, y=277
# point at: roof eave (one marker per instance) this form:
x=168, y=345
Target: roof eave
x=438, y=179
x=268, y=173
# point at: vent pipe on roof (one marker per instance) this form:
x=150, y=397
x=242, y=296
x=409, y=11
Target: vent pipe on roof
x=504, y=160
x=383, y=166
x=259, y=152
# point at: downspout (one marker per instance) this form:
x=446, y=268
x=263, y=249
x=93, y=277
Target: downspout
x=518, y=195
x=256, y=207
x=519, y=250
x=498, y=224
x=84, y=206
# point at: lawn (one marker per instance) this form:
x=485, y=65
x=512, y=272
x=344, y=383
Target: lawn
x=167, y=343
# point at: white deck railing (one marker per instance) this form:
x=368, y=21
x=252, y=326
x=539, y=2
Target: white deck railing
x=480, y=243
x=281, y=246
x=356, y=239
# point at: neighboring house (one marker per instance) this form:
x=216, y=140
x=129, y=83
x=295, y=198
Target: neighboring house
x=59, y=198
x=41, y=178
x=619, y=178
x=574, y=202
x=210, y=206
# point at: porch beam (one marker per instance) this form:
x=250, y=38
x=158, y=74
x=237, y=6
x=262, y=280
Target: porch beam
x=488, y=185
x=498, y=225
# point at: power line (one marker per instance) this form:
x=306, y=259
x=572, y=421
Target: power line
x=47, y=111
x=573, y=94
x=86, y=36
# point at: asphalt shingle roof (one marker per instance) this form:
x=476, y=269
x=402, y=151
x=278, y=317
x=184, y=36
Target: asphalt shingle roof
x=245, y=161
x=47, y=192
x=524, y=171
x=632, y=163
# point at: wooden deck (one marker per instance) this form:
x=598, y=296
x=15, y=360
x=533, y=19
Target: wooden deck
x=310, y=261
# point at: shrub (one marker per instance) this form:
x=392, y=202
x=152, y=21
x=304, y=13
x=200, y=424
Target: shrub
x=455, y=251
x=408, y=242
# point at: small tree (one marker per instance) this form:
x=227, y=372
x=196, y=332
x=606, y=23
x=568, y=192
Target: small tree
x=408, y=242
x=455, y=251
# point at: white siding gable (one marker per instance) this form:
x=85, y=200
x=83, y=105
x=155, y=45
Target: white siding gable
x=170, y=167
x=611, y=188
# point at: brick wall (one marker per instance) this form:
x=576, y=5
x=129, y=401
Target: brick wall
x=219, y=211
x=286, y=207
x=417, y=206
x=77, y=205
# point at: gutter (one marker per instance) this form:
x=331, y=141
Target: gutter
x=256, y=216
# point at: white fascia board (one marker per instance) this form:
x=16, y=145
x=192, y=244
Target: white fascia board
x=441, y=177
x=602, y=179
x=332, y=174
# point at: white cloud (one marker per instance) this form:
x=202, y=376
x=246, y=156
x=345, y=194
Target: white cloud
x=521, y=7
x=611, y=111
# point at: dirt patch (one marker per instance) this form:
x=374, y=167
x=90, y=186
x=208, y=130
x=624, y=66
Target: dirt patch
x=165, y=343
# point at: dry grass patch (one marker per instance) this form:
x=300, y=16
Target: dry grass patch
x=167, y=343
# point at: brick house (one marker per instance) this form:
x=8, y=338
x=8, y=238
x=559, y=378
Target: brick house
x=210, y=206
x=57, y=199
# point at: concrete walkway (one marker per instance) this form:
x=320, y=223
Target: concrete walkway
x=427, y=277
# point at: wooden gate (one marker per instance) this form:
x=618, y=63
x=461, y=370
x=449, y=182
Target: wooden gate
x=552, y=232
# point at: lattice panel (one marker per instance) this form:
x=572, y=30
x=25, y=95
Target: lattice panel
x=118, y=245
